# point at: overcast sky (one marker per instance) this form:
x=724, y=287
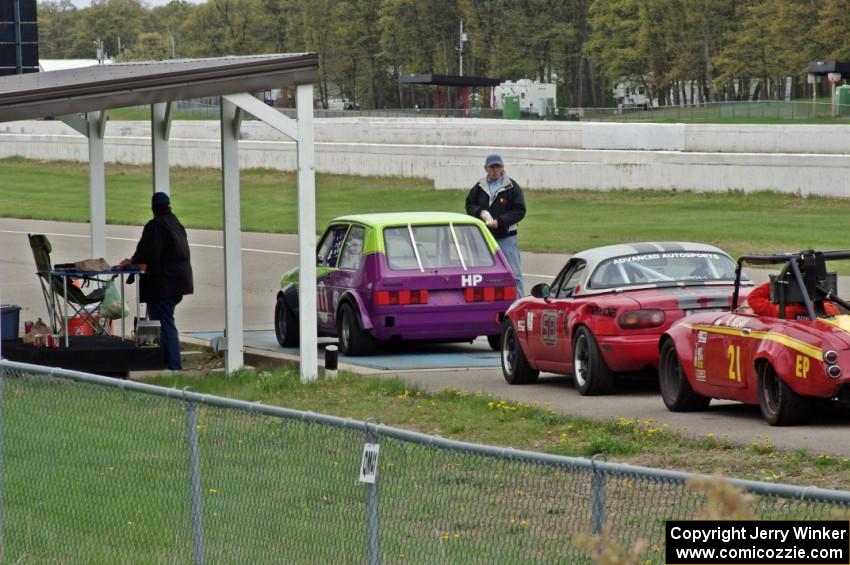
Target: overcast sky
x=87, y=3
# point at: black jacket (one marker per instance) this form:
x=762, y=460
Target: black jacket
x=508, y=207
x=164, y=248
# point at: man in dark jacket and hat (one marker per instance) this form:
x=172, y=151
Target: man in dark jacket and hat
x=498, y=201
x=164, y=249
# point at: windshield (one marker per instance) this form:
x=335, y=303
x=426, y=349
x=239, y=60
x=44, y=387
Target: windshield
x=652, y=268
x=436, y=247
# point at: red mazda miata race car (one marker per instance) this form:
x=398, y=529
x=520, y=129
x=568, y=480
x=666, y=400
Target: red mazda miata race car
x=606, y=309
x=783, y=361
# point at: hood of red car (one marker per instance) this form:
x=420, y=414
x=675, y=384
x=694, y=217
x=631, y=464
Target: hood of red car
x=838, y=327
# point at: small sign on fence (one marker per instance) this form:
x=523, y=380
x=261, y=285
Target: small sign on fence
x=369, y=464
x=834, y=77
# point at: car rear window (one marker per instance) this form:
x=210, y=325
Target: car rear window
x=436, y=247
x=651, y=268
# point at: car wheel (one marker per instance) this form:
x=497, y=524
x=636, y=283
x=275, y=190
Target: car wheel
x=592, y=376
x=285, y=324
x=495, y=342
x=676, y=391
x=515, y=366
x=780, y=405
x=353, y=339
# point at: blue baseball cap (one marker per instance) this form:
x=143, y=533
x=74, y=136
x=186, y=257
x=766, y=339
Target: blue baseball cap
x=493, y=159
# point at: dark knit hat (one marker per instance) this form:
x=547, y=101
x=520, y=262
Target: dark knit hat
x=160, y=201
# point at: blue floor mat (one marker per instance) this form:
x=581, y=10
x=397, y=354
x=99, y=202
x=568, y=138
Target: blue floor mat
x=398, y=358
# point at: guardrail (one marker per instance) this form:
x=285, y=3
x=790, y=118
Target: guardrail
x=102, y=470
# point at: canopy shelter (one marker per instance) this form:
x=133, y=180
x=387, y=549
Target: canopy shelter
x=81, y=98
x=825, y=68
x=443, y=98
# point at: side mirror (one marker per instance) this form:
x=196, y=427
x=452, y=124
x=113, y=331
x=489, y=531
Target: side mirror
x=541, y=290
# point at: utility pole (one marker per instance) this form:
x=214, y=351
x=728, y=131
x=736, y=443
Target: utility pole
x=98, y=46
x=461, y=41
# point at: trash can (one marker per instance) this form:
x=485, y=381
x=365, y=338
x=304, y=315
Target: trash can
x=10, y=316
x=842, y=100
x=510, y=107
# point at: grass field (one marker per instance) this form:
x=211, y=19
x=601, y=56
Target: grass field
x=477, y=417
x=144, y=113
x=99, y=475
x=557, y=221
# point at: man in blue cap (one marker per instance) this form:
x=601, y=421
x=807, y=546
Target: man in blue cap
x=498, y=201
x=164, y=249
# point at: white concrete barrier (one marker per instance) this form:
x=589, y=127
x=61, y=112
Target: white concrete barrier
x=827, y=175
x=644, y=137
x=827, y=139
x=545, y=155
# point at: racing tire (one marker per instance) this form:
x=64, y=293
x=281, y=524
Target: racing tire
x=780, y=405
x=285, y=324
x=592, y=376
x=495, y=342
x=676, y=391
x=515, y=366
x=353, y=339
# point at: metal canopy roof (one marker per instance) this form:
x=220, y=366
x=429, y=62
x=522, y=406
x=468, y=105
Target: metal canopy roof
x=826, y=67
x=57, y=93
x=449, y=80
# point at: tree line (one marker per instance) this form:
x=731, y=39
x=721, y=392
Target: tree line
x=677, y=50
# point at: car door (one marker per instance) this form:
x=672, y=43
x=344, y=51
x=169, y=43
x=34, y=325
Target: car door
x=347, y=272
x=327, y=257
x=723, y=353
x=555, y=340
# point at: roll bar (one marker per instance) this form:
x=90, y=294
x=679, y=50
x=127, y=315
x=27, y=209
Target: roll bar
x=792, y=262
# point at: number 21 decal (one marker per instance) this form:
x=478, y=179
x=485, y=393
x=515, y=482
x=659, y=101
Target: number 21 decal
x=734, y=354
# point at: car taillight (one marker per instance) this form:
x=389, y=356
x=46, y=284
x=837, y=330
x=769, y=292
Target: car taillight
x=399, y=297
x=489, y=293
x=636, y=319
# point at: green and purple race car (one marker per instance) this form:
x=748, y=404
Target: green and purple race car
x=433, y=276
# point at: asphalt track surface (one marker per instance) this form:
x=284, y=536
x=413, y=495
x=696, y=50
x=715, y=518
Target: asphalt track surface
x=265, y=257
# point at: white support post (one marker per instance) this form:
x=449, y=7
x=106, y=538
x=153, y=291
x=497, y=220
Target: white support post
x=307, y=235
x=160, y=130
x=234, y=356
x=97, y=183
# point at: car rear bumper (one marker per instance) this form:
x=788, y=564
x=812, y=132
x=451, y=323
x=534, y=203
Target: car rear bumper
x=629, y=353
x=448, y=325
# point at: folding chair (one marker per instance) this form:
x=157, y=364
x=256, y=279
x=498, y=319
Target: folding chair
x=56, y=288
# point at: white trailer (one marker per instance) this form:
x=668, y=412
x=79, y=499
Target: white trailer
x=534, y=97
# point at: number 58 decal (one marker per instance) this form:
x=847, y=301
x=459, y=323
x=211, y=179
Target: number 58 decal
x=549, y=327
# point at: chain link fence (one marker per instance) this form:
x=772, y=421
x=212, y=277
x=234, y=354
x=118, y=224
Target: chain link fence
x=99, y=470
x=763, y=110
x=757, y=111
